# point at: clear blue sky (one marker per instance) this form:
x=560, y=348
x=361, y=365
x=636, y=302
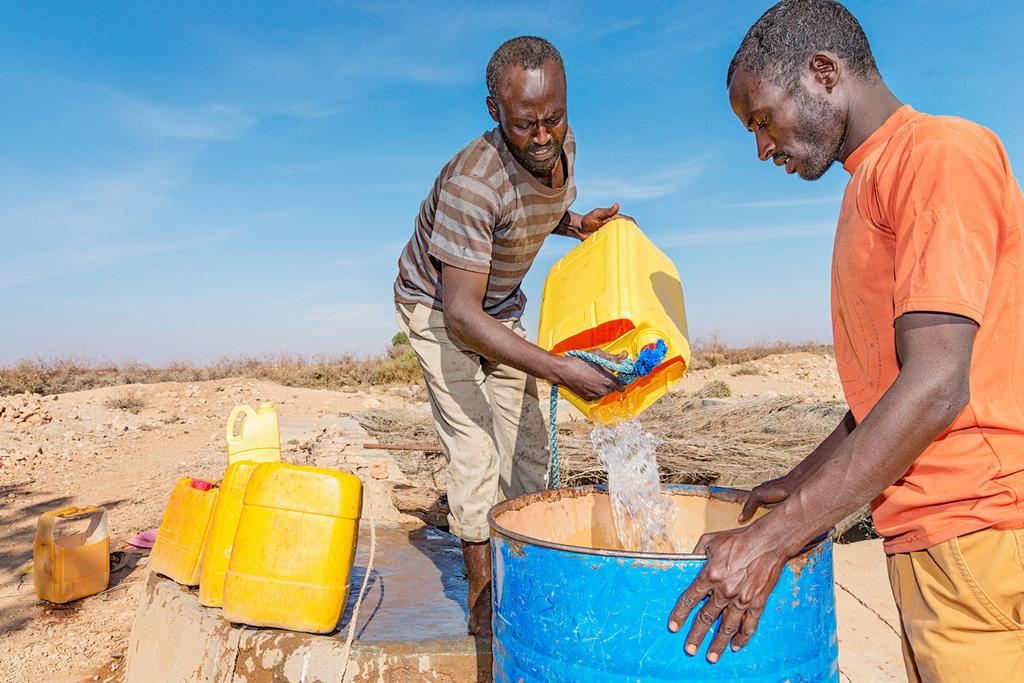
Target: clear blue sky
x=192, y=180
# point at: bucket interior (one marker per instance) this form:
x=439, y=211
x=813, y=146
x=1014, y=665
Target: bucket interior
x=583, y=518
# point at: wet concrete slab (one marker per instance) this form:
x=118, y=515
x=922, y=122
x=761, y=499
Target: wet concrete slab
x=417, y=588
x=411, y=626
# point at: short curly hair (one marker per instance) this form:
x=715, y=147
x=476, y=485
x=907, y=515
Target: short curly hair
x=527, y=52
x=783, y=40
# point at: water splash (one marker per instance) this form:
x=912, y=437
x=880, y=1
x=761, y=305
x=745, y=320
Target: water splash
x=642, y=514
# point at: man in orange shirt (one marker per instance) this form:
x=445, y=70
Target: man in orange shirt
x=928, y=319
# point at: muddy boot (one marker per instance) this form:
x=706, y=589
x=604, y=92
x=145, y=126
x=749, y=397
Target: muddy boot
x=477, y=557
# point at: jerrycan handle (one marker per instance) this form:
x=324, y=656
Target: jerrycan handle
x=97, y=522
x=233, y=419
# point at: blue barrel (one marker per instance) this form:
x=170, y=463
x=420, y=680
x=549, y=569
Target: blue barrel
x=568, y=613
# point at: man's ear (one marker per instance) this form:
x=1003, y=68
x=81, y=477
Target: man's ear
x=826, y=69
x=492, y=109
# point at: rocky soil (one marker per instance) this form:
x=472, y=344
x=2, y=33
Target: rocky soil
x=124, y=448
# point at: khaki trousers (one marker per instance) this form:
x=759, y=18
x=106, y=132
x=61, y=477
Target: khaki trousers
x=488, y=420
x=961, y=604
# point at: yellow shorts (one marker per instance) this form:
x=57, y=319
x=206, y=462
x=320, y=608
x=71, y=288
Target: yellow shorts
x=961, y=604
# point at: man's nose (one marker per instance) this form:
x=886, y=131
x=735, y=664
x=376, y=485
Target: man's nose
x=765, y=145
x=542, y=137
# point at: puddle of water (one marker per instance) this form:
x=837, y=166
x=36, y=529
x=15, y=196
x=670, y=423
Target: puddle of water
x=643, y=516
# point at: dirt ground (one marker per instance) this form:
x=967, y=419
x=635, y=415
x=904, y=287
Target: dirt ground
x=124, y=448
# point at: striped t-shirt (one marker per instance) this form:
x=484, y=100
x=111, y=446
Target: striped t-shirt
x=487, y=214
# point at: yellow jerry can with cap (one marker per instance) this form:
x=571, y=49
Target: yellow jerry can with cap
x=253, y=434
x=618, y=292
x=69, y=566
x=217, y=549
x=291, y=559
x=178, y=550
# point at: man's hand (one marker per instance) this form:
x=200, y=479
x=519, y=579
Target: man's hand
x=588, y=381
x=768, y=493
x=742, y=568
x=582, y=227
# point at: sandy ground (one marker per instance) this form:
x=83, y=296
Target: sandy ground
x=75, y=450
x=80, y=449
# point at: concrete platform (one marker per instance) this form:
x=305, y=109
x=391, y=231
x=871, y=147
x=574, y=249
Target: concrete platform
x=412, y=627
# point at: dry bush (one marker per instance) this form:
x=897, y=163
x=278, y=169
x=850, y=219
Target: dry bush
x=712, y=351
x=129, y=401
x=714, y=389
x=747, y=369
x=322, y=372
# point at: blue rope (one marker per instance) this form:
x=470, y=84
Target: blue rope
x=628, y=371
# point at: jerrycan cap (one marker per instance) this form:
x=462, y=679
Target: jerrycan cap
x=266, y=407
x=202, y=484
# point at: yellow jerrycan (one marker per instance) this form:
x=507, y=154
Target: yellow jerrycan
x=254, y=434
x=293, y=551
x=617, y=292
x=179, y=542
x=73, y=566
x=217, y=549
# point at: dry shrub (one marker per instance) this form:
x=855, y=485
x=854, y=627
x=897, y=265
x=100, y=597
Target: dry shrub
x=712, y=351
x=402, y=368
x=747, y=369
x=714, y=389
x=322, y=372
x=129, y=401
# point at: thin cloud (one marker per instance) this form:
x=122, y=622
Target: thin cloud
x=93, y=257
x=743, y=235
x=784, y=203
x=641, y=187
x=208, y=122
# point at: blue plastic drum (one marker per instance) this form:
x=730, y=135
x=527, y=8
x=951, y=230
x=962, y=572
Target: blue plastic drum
x=570, y=607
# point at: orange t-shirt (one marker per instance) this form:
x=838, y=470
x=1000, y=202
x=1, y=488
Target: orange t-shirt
x=931, y=221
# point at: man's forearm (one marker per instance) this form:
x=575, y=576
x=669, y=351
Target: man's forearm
x=570, y=225
x=825, y=450
x=491, y=339
x=872, y=457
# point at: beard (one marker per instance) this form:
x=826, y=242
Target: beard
x=540, y=169
x=822, y=133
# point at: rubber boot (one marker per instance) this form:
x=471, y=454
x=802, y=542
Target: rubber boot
x=477, y=557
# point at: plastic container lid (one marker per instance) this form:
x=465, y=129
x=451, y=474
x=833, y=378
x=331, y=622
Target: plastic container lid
x=202, y=485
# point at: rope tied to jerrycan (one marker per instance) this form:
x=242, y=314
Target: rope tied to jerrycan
x=627, y=372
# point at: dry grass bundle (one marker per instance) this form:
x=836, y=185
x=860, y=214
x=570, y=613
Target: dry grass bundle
x=738, y=444
x=399, y=426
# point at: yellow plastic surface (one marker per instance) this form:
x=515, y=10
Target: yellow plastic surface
x=179, y=542
x=257, y=437
x=217, y=548
x=74, y=566
x=292, y=556
x=617, y=292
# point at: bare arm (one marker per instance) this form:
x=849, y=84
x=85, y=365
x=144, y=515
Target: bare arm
x=462, y=298
x=932, y=388
x=744, y=564
x=582, y=226
x=777, y=490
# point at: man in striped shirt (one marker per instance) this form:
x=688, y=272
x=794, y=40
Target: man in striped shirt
x=458, y=296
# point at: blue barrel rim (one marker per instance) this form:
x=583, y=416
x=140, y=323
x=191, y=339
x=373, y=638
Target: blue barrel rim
x=718, y=492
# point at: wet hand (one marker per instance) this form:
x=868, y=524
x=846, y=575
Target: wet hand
x=742, y=569
x=588, y=381
x=770, y=492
